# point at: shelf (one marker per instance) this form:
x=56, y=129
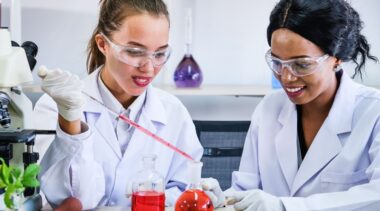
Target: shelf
x=206, y=90
x=218, y=90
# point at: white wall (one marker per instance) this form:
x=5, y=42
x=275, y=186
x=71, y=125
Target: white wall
x=229, y=42
x=230, y=39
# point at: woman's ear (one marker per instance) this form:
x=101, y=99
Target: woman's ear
x=101, y=43
x=337, y=65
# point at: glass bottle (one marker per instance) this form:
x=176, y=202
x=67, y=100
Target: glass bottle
x=188, y=73
x=194, y=198
x=148, y=190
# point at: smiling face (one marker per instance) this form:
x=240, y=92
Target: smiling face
x=320, y=86
x=142, y=31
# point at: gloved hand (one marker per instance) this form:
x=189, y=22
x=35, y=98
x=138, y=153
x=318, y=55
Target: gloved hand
x=212, y=189
x=66, y=90
x=255, y=200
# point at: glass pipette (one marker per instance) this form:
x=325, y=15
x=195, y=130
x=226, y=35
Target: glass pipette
x=144, y=130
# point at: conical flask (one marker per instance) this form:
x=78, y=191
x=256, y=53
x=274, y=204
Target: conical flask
x=194, y=198
x=188, y=73
x=148, y=190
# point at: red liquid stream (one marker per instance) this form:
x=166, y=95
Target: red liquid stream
x=194, y=200
x=148, y=201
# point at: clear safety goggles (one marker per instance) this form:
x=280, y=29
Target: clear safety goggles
x=298, y=67
x=137, y=57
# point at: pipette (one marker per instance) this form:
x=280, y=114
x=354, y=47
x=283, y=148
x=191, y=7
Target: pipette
x=144, y=130
x=42, y=72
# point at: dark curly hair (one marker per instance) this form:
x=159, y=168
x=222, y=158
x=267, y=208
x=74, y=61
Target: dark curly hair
x=333, y=25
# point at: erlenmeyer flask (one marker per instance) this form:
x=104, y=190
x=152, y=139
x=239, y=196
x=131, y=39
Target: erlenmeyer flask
x=188, y=73
x=194, y=198
x=148, y=188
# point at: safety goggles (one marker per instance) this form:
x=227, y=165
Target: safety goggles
x=298, y=67
x=137, y=57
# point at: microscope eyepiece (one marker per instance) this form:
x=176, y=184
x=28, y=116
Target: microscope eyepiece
x=31, y=51
x=5, y=120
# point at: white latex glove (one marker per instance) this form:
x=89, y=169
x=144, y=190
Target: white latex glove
x=255, y=200
x=212, y=189
x=66, y=90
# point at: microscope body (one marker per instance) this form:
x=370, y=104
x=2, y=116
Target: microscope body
x=16, y=110
x=15, y=106
x=15, y=133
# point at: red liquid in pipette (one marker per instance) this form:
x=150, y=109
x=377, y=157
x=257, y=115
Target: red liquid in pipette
x=159, y=139
x=148, y=201
x=147, y=132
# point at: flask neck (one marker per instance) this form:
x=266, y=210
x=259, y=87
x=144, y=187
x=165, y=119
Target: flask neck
x=195, y=169
x=188, y=49
x=195, y=186
x=149, y=162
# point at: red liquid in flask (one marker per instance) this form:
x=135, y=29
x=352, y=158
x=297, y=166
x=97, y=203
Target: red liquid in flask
x=194, y=200
x=148, y=201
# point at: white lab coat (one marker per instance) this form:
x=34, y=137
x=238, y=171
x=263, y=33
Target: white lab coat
x=93, y=160
x=341, y=170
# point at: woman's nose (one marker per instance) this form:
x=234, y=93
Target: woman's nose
x=147, y=66
x=287, y=74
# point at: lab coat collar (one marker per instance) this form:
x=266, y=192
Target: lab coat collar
x=100, y=115
x=91, y=89
x=153, y=111
x=342, y=110
x=153, y=107
x=286, y=148
x=326, y=144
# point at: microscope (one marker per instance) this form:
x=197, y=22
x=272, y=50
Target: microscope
x=16, y=136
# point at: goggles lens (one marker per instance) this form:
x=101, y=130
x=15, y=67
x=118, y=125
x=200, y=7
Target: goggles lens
x=298, y=67
x=137, y=57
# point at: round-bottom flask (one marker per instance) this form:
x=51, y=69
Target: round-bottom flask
x=194, y=198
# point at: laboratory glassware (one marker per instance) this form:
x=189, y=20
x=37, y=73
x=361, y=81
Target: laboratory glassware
x=148, y=189
x=194, y=198
x=188, y=72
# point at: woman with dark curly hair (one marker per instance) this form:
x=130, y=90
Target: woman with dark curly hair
x=315, y=145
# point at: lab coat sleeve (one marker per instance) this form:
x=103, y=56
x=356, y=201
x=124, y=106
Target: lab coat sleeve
x=66, y=169
x=248, y=176
x=44, y=118
x=360, y=197
x=178, y=178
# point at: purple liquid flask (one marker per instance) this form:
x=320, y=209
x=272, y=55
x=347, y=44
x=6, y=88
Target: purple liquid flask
x=188, y=73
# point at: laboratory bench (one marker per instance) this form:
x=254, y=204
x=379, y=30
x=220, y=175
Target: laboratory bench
x=229, y=208
x=48, y=208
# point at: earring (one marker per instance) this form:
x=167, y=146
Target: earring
x=337, y=68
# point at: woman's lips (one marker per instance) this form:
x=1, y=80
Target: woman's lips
x=141, y=81
x=294, y=91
